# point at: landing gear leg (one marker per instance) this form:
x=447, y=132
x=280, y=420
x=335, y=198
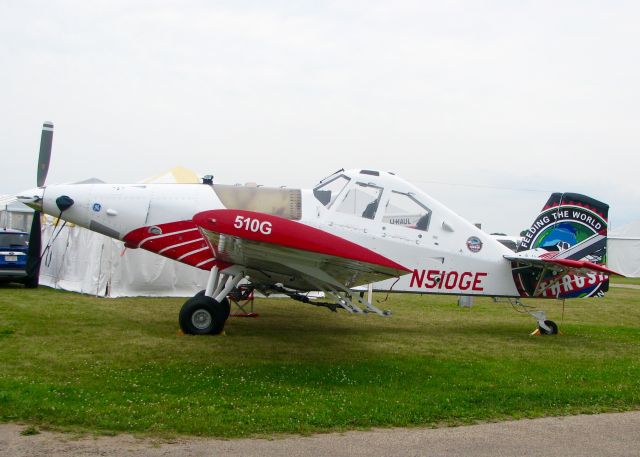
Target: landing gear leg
x=207, y=311
x=545, y=326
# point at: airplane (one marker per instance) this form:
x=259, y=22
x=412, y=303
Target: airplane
x=354, y=228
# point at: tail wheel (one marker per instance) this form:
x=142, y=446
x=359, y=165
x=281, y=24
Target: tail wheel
x=553, y=328
x=201, y=315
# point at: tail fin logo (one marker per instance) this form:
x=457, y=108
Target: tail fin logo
x=568, y=220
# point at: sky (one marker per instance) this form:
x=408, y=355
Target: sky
x=487, y=106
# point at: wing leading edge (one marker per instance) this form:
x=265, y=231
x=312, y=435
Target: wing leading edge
x=279, y=250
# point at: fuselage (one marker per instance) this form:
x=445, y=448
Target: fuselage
x=442, y=252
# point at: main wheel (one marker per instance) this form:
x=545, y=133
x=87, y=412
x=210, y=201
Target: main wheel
x=225, y=303
x=202, y=315
x=552, y=326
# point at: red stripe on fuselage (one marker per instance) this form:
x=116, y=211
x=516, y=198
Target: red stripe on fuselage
x=180, y=240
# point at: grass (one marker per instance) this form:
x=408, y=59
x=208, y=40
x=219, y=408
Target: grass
x=81, y=363
x=619, y=280
x=29, y=431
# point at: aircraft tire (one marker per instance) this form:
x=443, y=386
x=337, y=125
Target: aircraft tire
x=202, y=315
x=225, y=303
x=552, y=325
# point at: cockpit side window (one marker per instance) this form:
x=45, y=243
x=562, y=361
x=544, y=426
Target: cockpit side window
x=326, y=193
x=362, y=200
x=403, y=209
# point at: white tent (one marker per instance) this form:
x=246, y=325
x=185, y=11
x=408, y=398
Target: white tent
x=83, y=261
x=623, y=250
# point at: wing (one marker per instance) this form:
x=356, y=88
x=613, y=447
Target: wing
x=277, y=250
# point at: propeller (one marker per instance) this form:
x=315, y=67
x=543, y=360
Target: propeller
x=35, y=236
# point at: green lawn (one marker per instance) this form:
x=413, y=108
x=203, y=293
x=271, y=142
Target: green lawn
x=108, y=365
x=619, y=280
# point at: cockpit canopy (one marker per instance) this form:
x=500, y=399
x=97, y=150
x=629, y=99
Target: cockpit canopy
x=374, y=195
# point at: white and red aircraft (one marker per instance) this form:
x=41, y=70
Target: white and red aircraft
x=354, y=228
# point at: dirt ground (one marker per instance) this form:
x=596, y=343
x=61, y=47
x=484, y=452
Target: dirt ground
x=616, y=434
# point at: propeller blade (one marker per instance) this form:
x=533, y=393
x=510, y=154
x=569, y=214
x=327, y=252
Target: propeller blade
x=33, y=255
x=35, y=235
x=45, y=152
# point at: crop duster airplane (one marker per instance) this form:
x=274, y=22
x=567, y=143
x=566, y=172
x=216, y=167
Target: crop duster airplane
x=354, y=228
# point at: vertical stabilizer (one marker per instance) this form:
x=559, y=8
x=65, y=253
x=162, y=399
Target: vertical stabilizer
x=570, y=226
x=568, y=219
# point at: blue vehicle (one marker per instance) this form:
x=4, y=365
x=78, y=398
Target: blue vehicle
x=14, y=247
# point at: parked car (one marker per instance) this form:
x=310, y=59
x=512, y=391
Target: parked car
x=14, y=246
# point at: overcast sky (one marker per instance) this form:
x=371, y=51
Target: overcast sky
x=488, y=106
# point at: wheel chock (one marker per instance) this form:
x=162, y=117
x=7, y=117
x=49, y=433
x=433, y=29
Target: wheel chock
x=537, y=332
x=180, y=333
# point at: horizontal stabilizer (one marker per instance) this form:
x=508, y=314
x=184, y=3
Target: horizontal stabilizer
x=540, y=258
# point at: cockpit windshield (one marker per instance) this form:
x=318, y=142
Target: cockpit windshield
x=327, y=192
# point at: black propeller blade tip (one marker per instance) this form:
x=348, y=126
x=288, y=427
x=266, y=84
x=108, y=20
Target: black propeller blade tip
x=45, y=152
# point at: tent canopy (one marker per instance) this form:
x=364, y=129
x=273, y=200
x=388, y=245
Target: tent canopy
x=623, y=249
